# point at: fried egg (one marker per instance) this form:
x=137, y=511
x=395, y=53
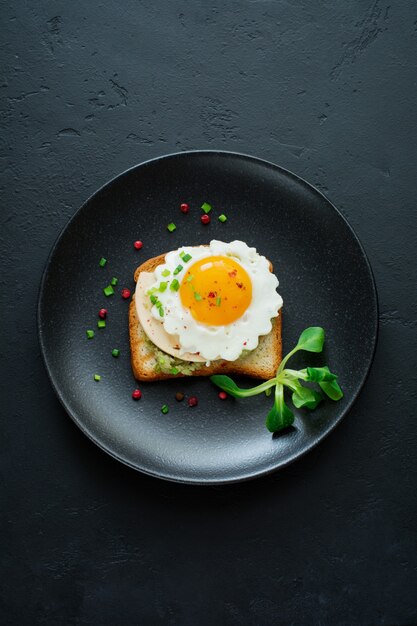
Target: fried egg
x=208, y=302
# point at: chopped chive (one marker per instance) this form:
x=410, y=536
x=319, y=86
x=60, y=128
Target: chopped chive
x=153, y=299
x=175, y=285
x=115, y=352
x=166, y=273
x=206, y=207
x=161, y=311
x=174, y=371
x=222, y=218
x=90, y=334
x=114, y=281
x=162, y=286
x=171, y=227
x=197, y=296
x=101, y=324
x=108, y=291
x=161, y=360
x=182, y=254
x=97, y=377
x=186, y=258
x=178, y=269
x=164, y=409
x=218, y=301
x=102, y=261
x=190, y=278
x=151, y=291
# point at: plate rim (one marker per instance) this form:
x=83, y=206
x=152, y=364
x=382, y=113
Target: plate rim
x=166, y=476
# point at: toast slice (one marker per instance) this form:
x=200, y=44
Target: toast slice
x=149, y=363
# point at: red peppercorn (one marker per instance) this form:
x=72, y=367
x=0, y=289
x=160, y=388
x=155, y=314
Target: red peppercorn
x=222, y=395
x=184, y=207
x=102, y=313
x=138, y=245
x=205, y=219
x=192, y=401
x=136, y=394
x=125, y=294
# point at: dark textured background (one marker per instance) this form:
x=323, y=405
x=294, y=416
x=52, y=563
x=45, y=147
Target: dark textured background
x=325, y=89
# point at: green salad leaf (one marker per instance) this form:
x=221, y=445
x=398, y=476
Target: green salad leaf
x=227, y=384
x=311, y=339
x=280, y=416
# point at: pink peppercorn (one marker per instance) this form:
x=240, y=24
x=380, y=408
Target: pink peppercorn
x=102, y=313
x=205, y=219
x=138, y=245
x=184, y=207
x=136, y=394
x=192, y=401
x=222, y=395
x=125, y=294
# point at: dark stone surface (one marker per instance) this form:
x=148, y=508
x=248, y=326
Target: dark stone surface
x=325, y=89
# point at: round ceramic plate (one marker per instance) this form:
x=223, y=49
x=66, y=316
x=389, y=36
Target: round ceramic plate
x=325, y=280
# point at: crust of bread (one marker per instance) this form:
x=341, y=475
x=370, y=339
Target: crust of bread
x=260, y=363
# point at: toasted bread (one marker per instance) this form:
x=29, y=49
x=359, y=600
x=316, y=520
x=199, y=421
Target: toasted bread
x=262, y=362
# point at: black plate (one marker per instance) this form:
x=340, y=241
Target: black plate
x=325, y=280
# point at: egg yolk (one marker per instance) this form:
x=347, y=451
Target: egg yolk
x=217, y=290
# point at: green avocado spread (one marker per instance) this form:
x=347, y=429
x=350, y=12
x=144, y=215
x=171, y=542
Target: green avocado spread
x=167, y=364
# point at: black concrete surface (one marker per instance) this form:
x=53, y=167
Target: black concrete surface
x=327, y=90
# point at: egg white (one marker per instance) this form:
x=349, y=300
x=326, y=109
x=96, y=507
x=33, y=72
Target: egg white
x=219, y=342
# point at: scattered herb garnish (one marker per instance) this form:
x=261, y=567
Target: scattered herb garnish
x=190, y=278
x=171, y=227
x=197, y=296
x=97, y=378
x=164, y=409
x=166, y=273
x=102, y=261
x=222, y=218
x=280, y=416
x=178, y=269
x=114, y=281
x=218, y=301
x=206, y=207
x=162, y=286
x=115, y=352
x=153, y=299
x=175, y=285
x=108, y=291
x=90, y=334
x=101, y=324
x=187, y=257
x=174, y=371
